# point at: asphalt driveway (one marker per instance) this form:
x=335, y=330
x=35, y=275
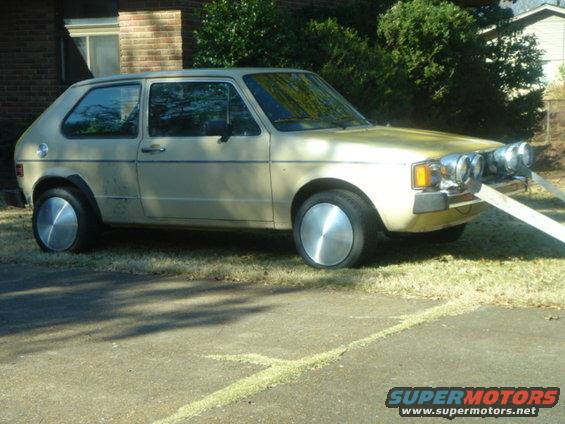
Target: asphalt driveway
x=91, y=347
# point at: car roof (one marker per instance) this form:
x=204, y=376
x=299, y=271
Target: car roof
x=197, y=72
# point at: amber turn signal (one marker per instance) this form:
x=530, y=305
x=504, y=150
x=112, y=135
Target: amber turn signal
x=422, y=176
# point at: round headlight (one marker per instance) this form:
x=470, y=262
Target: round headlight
x=463, y=171
x=526, y=154
x=477, y=166
x=507, y=158
x=456, y=168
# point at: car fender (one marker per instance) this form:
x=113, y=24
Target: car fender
x=74, y=179
x=378, y=183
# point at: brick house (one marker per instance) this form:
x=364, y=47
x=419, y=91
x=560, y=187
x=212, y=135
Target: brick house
x=45, y=45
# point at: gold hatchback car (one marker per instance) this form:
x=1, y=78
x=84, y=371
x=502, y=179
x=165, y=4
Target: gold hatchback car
x=247, y=149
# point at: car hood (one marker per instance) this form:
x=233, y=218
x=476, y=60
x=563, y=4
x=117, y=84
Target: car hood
x=409, y=143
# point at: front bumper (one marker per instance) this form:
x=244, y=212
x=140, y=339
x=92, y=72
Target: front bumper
x=14, y=198
x=426, y=202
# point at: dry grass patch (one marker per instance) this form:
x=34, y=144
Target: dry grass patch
x=498, y=259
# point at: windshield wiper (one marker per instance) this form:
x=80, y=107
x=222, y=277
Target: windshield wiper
x=340, y=122
x=293, y=119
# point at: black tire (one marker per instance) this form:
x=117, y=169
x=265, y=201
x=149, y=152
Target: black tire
x=363, y=220
x=446, y=235
x=88, y=223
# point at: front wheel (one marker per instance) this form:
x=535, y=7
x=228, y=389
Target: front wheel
x=335, y=229
x=64, y=222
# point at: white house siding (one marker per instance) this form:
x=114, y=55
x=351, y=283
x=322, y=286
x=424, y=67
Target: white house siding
x=550, y=33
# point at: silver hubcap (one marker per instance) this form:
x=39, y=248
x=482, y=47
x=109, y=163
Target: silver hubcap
x=57, y=224
x=326, y=234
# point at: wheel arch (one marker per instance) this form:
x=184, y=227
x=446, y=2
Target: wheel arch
x=323, y=184
x=76, y=181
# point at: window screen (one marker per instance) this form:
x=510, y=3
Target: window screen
x=105, y=112
x=181, y=109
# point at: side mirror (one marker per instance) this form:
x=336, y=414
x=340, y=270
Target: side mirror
x=218, y=127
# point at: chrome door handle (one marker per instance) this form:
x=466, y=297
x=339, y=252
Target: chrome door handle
x=153, y=149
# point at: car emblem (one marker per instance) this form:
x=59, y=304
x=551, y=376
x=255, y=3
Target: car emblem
x=42, y=150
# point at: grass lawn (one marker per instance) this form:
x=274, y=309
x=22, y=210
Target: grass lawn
x=498, y=260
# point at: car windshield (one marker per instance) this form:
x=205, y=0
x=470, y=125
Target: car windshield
x=300, y=101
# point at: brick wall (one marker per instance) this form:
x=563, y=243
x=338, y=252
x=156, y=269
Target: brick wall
x=157, y=34
x=150, y=40
x=154, y=35
x=28, y=58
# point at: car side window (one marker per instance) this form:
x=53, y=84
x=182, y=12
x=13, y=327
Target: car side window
x=182, y=109
x=105, y=112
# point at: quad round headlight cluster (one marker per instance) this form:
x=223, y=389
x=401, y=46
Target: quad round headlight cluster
x=456, y=170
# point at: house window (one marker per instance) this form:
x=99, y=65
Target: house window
x=91, y=47
x=92, y=53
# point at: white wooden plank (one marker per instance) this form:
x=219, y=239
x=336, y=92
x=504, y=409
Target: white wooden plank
x=522, y=212
x=548, y=186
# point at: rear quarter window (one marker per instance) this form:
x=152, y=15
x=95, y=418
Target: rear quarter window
x=105, y=112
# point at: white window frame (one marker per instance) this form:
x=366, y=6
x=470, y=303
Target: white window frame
x=87, y=28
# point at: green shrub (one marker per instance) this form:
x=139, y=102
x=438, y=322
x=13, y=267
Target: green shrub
x=360, y=15
x=436, y=43
x=419, y=61
x=492, y=14
x=461, y=83
x=514, y=61
x=363, y=73
x=244, y=33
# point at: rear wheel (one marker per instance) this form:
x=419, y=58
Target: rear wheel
x=335, y=229
x=64, y=222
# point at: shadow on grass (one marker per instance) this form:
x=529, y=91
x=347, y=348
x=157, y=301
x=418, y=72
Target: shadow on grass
x=240, y=242
x=494, y=236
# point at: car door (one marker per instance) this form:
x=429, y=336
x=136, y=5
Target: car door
x=185, y=174
x=102, y=134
